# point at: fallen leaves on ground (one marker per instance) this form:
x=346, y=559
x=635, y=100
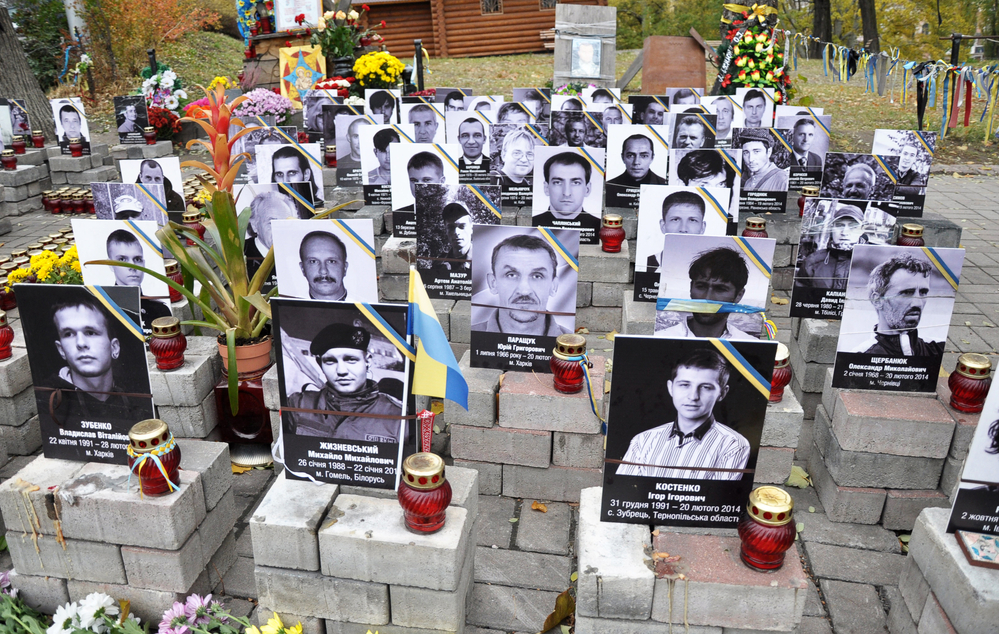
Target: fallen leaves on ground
x=236, y=469
x=798, y=478
x=538, y=506
x=565, y=605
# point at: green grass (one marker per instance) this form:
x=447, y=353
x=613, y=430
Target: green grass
x=198, y=58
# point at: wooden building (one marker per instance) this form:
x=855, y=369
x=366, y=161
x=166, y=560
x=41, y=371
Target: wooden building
x=466, y=28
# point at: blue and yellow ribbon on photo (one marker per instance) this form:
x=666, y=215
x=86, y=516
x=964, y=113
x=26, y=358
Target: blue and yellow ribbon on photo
x=145, y=238
x=731, y=161
x=781, y=139
x=711, y=200
x=708, y=306
x=753, y=256
x=745, y=369
x=700, y=116
x=117, y=311
x=548, y=235
x=402, y=133
x=593, y=121
x=156, y=202
x=358, y=240
x=288, y=189
x=447, y=157
x=292, y=141
x=537, y=133
x=926, y=144
x=485, y=200
x=942, y=267
x=594, y=162
x=887, y=168
x=387, y=330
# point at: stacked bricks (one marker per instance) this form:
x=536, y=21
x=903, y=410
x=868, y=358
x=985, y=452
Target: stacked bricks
x=120, y=153
x=708, y=588
x=21, y=189
x=74, y=528
x=20, y=429
x=341, y=560
x=781, y=431
x=812, y=353
x=185, y=397
x=96, y=167
x=941, y=591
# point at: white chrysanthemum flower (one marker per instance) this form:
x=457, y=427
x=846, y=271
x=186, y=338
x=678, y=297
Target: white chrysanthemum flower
x=66, y=619
x=171, y=103
x=180, y=94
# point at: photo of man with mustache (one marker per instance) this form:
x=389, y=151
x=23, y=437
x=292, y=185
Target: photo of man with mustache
x=323, y=260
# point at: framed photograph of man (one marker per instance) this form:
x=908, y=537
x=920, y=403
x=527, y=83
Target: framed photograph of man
x=717, y=167
x=523, y=294
x=857, y=177
x=510, y=112
x=682, y=98
x=131, y=119
x=470, y=130
x=585, y=57
x=383, y=102
x=163, y=171
x=347, y=129
x=20, y=122
x=692, y=130
x=650, y=109
x=568, y=189
x=513, y=149
x=566, y=103
x=898, y=306
x=617, y=114
x=268, y=203
x=830, y=231
x=576, y=128
x=766, y=164
x=88, y=364
x=129, y=201
x=344, y=381
x=978, y=491
x=331, y=115
x=728, y=115
x=599, y=98
x=796, y=111
x=376, y=165
x=914, y=151
x=329, y=259
x=427, y=120
x=71, y=123
x=444, y=218
x=757, y=106
x=247, y=144
x=289, y=163
x=537, y=100
x=808, y=136
x=414, y=163
x=682, y=451
x=313, y=115
x=670, y=209
x=636, y=155
x=131, y=242
x=453, y=99
x=714, y=286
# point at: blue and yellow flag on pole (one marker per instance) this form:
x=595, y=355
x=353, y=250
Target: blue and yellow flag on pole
x=435, y=372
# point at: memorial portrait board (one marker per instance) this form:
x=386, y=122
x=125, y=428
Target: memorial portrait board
x=384, y=102
x=70, y=122
x=514, y=148
x=537, y=100
x=129, y=201
x=427, y=120
x=616, y=114
x=662, y=391
x=484, y=103
x=714, y=286
x=414, y=163
x=292, y=163
x=445, y=215
x=766, y=164
x=599, y=97
x=650, y=109
x=899, y=302
x=830, y=231
x=344, y=384
x=470, y=130
x=20, y=121
x=692, y=130
x=585, y=57
x=680, y=99
x=509, y=112
x=523, y=294
x=568, y=190
x=163, y=171
x=6, y=131
x=453, y=99
x=566, y=103
x=858, y=176
x=376, y=164
x=329, y=119
x=262, y=132
x=796, y=111
x=348, y=146
x=757, y=106
x=131, y=119
x=808, y=136
x=328, y=259
x=577, y=128
x=728, y=115
x=716, y=167
x=312, y=110
x=670, y=209
x=267, y=203
x=636, y=155
x=88, y=366
x=914, y=151
x=978, y=490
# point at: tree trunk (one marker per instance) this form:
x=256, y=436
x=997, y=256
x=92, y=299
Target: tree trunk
x=18, y=82
x=821, y=26
x=870, y=20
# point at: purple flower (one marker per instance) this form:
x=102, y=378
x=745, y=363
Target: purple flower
x=175, y=620
x=261, y=102
x=197, y=609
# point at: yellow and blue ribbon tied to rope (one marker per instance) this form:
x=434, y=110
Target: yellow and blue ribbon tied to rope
x=743, y=367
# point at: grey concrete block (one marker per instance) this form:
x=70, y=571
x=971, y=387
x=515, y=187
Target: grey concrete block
x=637, y=318
x=817, y=339
x=102, y=174
x=559, y=484
x=508, y=446
x=393, y=288
x=196, y=421
x=70, y=163
x=18, y=408
x=483, y=384
x=951, y=476
x=148, y=605
x=527, y=401
x=850, y=564
x=516, y=568
x=892, y=424
x=590, y=625
x=902, y=507
x=170, y=570
x=461, y=322
x=310, y=624
x=397, y=254
x=773, y=465
x=43, y=593
x=819, y=528
x=24, y=439
x=854, y=607
x=544, y=532
x=188, y=385
x=599, y=318
x=158, y=150
x=285, y=524
x=432, y=609
x=584, y=294
x=585, y=451
x=810, y=375
x=72, y=559
x=27, y=502
x=609, y=293
x=272, y=397
x=857, y=505
x=782, y=424
x=509, y=609
x=218, y=525
x=312, y=594
x=211, y=460
x=596, y=265
x=23, y=175
x=913, y=587
x=490, y=479
x=493, y=526
x=221, y=562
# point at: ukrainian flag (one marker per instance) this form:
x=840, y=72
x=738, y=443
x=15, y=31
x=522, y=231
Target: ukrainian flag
x=435, y=372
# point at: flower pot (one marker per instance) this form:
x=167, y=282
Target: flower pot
x=339, y=66
x=251, y=360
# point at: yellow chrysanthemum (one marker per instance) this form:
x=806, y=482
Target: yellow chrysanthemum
x=274, y=625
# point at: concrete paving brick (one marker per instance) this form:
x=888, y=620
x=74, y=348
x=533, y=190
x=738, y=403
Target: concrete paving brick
x=590, y=625
x=211, y=460
x=43, y=593
x=519, y=569
x=902, y=507
x=599, y=318
x=596, y=265
x=285, y=525
x=432, y=609
x=218, y=524
x=584, y=451
x=25, y=174
x=529, y=402
x=560, y=484
x=310, y=624
x=171, y=570
x=312, y=594
x=773, y=465
x=934, y=620
x=188, y=385
x=895, y=424
x=18, y=408
x=951, y=476
x=816, y=340
x=818, y=527
x=29, y=509
x=483, y=383
x=494, y=525
x=810, y=375
x=253, y=482
x=782, y=424
x=220, y=563
x=857, y=505
x=809, y=400
x=913, y=587
x=24, y=439
x=850, y=564
x=544, y=532
x=509, y=609
x=584, y=294
x=509, y=446
x=637, y=318
x=609, y=293
x=490, y=475
x=461, y=322
x=148, y=605
x=270, y=383
x=79, y=559
x=15, y=374
x=814, y=625
x=366, y=539
x=615, y=580
x=393, y=288
x=813, y=603
x=855, y=608
x=900, y=621
x=397, y=254
x=191, y=422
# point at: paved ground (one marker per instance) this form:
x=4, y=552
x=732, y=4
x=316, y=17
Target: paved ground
x=526, y=557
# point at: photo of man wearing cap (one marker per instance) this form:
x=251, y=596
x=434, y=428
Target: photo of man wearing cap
x=127, y=201
x=760, y=173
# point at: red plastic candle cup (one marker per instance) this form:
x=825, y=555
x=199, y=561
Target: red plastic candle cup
x=88, y=203
x=756, y=227
x=807, y=192
x=424, y=492
x=330, y=156
x=18, y=144
x=168, y=343
x=47, y=200
x=9, y=160
x=611, y=233
x=38, y=139
x=79, y=206
x=75, y=147
x=6, y=335
x=911, y=236
x=174, y=273
x=565, y=363
x=148, y=439
x=149, y=134
x=192, y=220
x=766, y=529
x=969, y=382
x=7, y=299
x=782, y=374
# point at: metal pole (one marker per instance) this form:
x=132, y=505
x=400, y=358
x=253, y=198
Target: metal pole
x=955, y=49
x=418, y=44
x=151, y=52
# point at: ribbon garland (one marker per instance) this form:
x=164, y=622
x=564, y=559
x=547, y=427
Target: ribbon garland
x=154, y=455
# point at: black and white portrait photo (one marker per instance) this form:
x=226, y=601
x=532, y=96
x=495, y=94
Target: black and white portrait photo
x=71, y=123
x=313, y=114
x=414, y=163
x=376, y=165
x=291, y=164
x=830, y=230
x=88, y=366
x=692, y=131
x=445, y=215
x=128, y=201
x=757, y=106
x=717, y=167
x=913, y=156
x=267, y=203
x=714, y=286
x=523, y=294
x=978, y=491
x=427, y=120
x=585, y=60
x=511, y=112
x=348, y=147
x=856, y=177
x=684, y=412
x=131, y=118
x=808, y=137
x=568, y=103
x=512, y=161
x=766, y=164
x=383, y=102
x=650, y=109
x=341, y=378
x=636, y=156
x=470, y=130
x=895, y=321
x=538, y=101
x=598, y=98
x=131, y=242
x=576, y=128
x=670, y=209
x=728, y=115
x=617, y=114
x=258, y=135
x=20, y=122
x=568, y=183
x=452, y=99
x=332, y=260
x=163, y=171
x=486, y=104
x=6, y=131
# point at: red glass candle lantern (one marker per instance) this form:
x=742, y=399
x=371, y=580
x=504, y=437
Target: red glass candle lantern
x=78, y=205
x=969, y=383
x=782, y=374
x=153, y=452
x=38, y=139
x=75, y=147
x=6, y=335
x=424, y=492
x=611, y=233
x=330, y=156
x=9, y=160
x=47, y=200
x=766, y=529
x=174, y=273
x=254, y=30
x=807, y=192
x=7, y=299
x=149, y=134
x=88, y=203
x=168, y=343
x=192, y=220
x=911, y=236
x=565, y=363
x=18, y=144
x=756, y=227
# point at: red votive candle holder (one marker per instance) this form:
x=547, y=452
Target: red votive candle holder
x=330, y=156
x=38, y=139
x=47, y=200
x=756, y=227
x=969, y=382
x=174, y=273
x=766, y=529
x=7, y=299
x=611, y=233
x=8, y=160
x=150, y=442
x=911, y=236
x=88, y=202
x=424, y=492
x=75, y=147
x=168, y=343
x=782, y=373
x=565, y=363
x=192, y=220
x=809, y=191
x=149, y=134
x=18, y=144
x=6, y=335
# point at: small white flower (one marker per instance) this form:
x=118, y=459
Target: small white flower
x=180, y=94
x=171, y=103
x=93, y=608
x=353, y=15
x=66, y=619
x=85, y=59
x=354, y=100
